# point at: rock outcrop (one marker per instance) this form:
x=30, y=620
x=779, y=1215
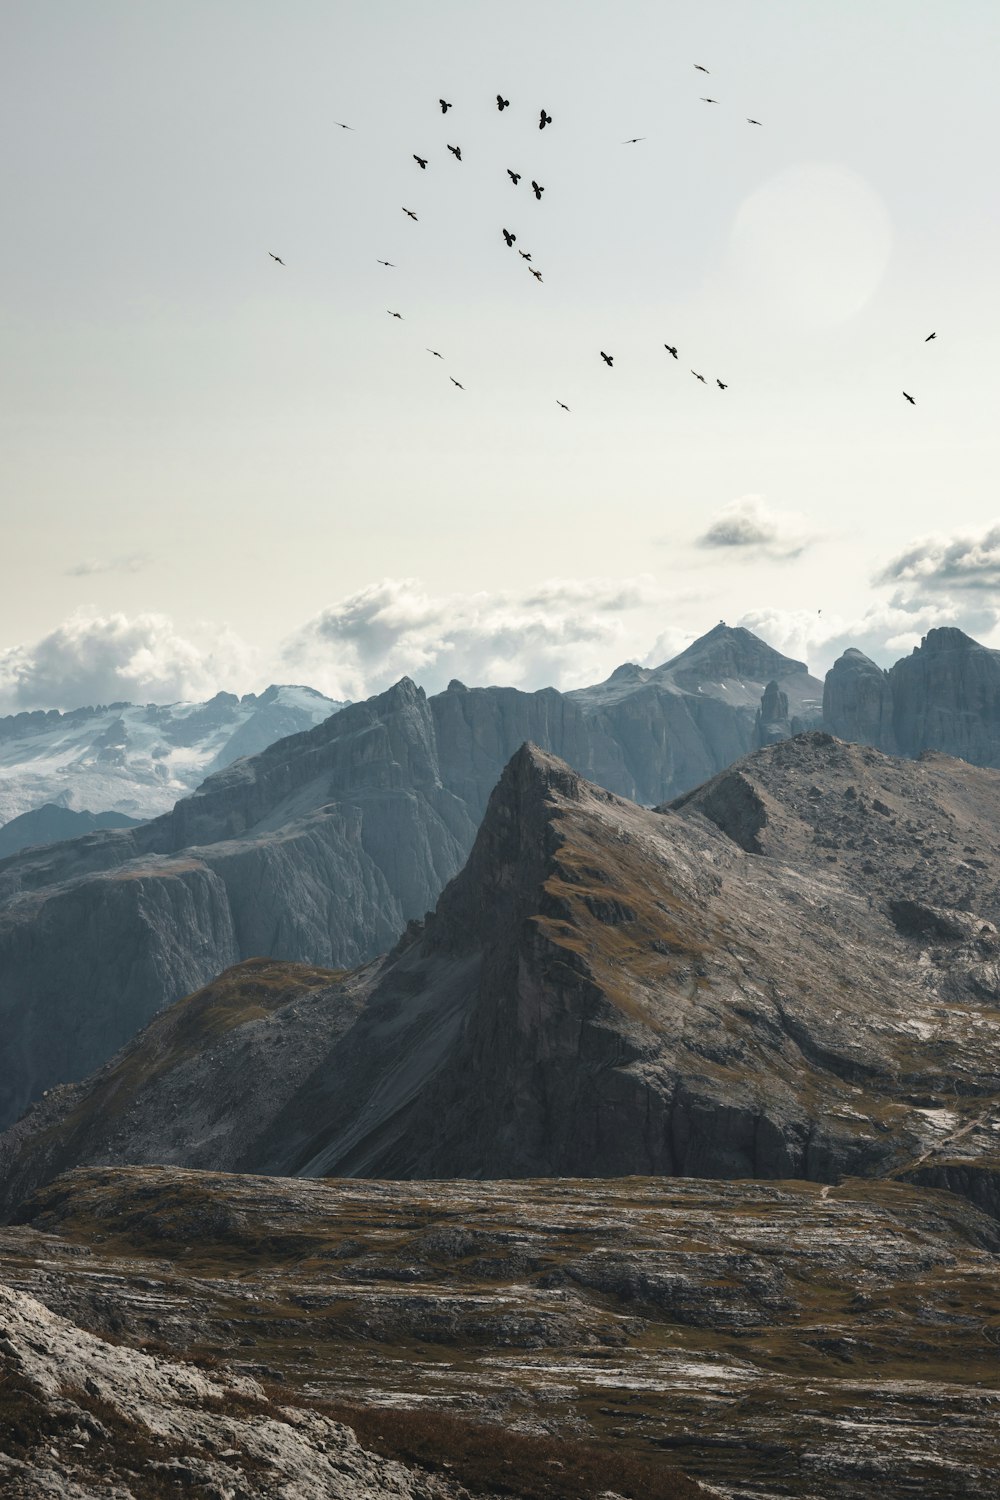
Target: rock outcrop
x=946, y=696
x=792, y=972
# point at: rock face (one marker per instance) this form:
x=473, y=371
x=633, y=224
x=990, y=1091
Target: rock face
x=857, y=702
x=138, y=759
x=321, y=847
x=792, y=972
x=944, y=696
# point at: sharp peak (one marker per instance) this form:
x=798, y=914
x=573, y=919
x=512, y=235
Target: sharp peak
x=737, y=636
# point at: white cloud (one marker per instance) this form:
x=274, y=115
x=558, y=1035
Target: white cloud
x=747, y=528
x=565, y=633
x=93, y=658
x=134, y=562
x=937, y=562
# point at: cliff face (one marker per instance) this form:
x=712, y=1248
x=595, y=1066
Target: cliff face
x=757, y=982
x=857, y=702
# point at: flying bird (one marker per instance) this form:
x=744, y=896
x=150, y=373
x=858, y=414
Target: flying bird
x=909, y=398
x=538, y=190
x=386, y=262
x=515, y=177
x=708, y=101
x=276, y=257
x=721, y=384
x=537, y=274
x=699, y=377
x=929, y=337
x=752, y=122
x=671, y=349
x=633, y=140
x=543, y=119
x=510, y=238
x=456, y=382
x=700, y=68
x=411, y=214
x=445, y=106
x=524, y=254
x=434, y=352
x=456, y=152
x=502, y=103
x=562, y=404
x=392, y=314
x=421, y=161
x=608, y=359
x=342, y=125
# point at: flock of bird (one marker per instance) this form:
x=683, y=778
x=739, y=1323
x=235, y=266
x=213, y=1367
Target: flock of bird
x=510, y=238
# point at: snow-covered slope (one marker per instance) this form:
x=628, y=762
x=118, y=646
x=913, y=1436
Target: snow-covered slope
x=138, y=759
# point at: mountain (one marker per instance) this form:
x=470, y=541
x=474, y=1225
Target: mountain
x=137, y=760
x=321, y=847
x=50, y=824
x=792, y=972
x=944, y=696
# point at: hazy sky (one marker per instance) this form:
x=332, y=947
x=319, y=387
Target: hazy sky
x=216, y=470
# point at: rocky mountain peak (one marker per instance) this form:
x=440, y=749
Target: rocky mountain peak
x=947, y=638
x=732, y=651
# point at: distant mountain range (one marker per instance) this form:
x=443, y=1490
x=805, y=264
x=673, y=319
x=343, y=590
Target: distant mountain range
x=321, y=847
x=758, y=981
x=138, y=759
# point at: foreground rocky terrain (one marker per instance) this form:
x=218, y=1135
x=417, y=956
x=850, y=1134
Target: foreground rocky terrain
x=791, y=972
x=771, y=1339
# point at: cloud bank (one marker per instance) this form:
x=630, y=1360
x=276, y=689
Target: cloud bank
x=748, y=530
x=964, y=563
x=93, y=658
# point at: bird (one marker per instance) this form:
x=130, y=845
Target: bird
x=456, y=152
x=608, y=359
x=515, y=177
x=700, y=68
x=510, y=238
x=434, y=352
x=276, y=257
x=410, y=213
x=392, y=314
x=342, y=125
x=456, y=382
x=699, y=377
x=543, y=119
x=524, y=254
x=929, y=337
x=752, y=122
x=386, y=262
x=537, y=274
x=671, y=349
x=421, y=161
x=708, y=101
x=721, y=384
x=909, y=398
x=445, y=106
x=633, y=140
x=502, y=103
x=538, y=189
x=562, y=404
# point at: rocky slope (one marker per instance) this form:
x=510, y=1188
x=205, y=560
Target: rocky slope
x=792, y=972
x=771, y=1339
x=138, y=759
x=85, y=1417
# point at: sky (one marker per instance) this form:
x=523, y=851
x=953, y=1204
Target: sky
x=218, y=471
